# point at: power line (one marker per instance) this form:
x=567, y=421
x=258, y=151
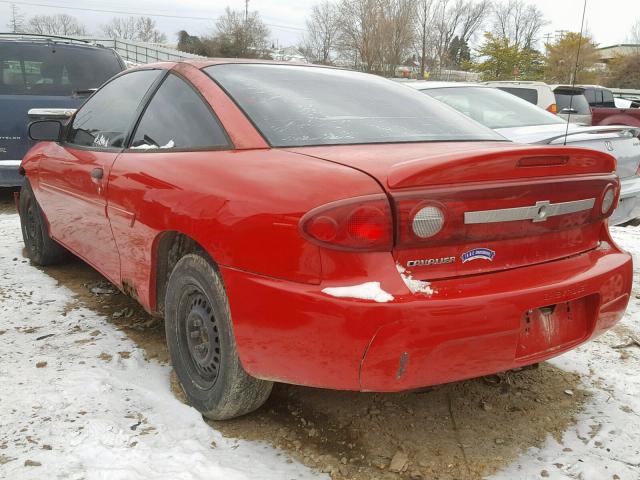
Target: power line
x=124, y=12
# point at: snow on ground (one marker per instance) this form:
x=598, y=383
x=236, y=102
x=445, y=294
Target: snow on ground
x=68, y=412
x=84, y=417
x=606, y=441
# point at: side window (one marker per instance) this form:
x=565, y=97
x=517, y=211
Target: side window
x=607, y=99
x=528, y=94
x=590, y=93
x=177, y=117
x=105, y=119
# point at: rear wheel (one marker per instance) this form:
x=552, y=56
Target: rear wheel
x=202, y=344
x=41, y=248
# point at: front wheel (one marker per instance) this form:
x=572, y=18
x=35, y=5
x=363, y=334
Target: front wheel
x=41, y=248
x=202, y=344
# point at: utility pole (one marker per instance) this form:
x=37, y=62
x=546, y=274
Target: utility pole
x=548, y=37
x=245, y=33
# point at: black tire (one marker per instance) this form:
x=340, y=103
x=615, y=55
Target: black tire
x=202, y=344
x=41, y=248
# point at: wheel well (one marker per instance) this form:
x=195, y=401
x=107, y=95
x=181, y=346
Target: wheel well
x=171, y=247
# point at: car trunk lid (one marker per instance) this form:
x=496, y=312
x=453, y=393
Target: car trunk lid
x=620, y=141
x=504, y=206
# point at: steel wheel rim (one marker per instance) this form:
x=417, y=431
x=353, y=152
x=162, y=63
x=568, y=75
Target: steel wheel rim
x=199, y=337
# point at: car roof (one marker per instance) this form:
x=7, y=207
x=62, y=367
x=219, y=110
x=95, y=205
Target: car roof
x=574, y=89
x=426, y=84
x=518, y=82
x=208, y=62
x=44, y=40
x=593, y=86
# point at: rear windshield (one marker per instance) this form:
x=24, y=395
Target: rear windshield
x=492, y=107
x=56, y=70
x=302, y=106
x=576, y=102
x=528, y=94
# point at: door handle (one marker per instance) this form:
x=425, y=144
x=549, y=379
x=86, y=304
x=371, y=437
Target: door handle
x=97, y=173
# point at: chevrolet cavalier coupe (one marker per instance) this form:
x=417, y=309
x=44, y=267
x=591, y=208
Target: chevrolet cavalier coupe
x=322, y=227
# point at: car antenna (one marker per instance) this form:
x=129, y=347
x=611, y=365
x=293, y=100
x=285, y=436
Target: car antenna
x=575, y=71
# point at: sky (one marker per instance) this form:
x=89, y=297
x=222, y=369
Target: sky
x=609, y=21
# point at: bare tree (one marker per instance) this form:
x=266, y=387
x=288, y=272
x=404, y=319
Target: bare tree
x=518, y=22
x=142, y=29
x=397, y=33
x=241, y=34
x=634, y=36
x=146, y=31
x=16, y=19
x=120, y=27
x=323, y=28
x=61, y=24
x=360, y=31
x=425, y=34
x=473, y=18
x=461, y=18
x=635, y=33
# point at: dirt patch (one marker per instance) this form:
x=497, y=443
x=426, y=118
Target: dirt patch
x=465, y=430
x=460, y=431
x=93, y=291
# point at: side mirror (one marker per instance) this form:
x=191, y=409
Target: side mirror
x=45, y=130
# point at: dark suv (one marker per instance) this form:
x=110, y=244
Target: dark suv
x=42, y=72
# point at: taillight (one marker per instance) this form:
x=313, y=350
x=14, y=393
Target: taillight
x=553, y=108
x=427, y=221
x=362, y=224
x=438, y=216
x=608, y=200
x=420, y=220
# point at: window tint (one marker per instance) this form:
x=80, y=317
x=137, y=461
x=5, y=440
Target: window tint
x=607, y=99
x=55, y=70
x=528, y=94
x=177, y=118
x=106, y=118
x=492, y=107
x=297, y=106
x=578, y=103
x=590, y=95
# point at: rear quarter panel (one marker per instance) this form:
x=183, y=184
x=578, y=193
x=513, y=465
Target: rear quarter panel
x=242, y=207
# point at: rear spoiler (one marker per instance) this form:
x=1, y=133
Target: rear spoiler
x=51, y=113
x=633, y=131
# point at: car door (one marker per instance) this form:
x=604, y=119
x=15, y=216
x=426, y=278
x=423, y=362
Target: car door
x=177, y=132
x=73, y=178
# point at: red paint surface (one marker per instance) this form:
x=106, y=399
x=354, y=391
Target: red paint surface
x=616, y=116
x=244, y=206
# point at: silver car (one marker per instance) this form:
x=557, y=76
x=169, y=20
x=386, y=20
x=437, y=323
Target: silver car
x=522, y=122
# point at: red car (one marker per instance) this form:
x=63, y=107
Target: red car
x=322, y=227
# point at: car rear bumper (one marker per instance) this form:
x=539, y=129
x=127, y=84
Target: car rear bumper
x=468, y=327
x=9, y=173
x=629, y=205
